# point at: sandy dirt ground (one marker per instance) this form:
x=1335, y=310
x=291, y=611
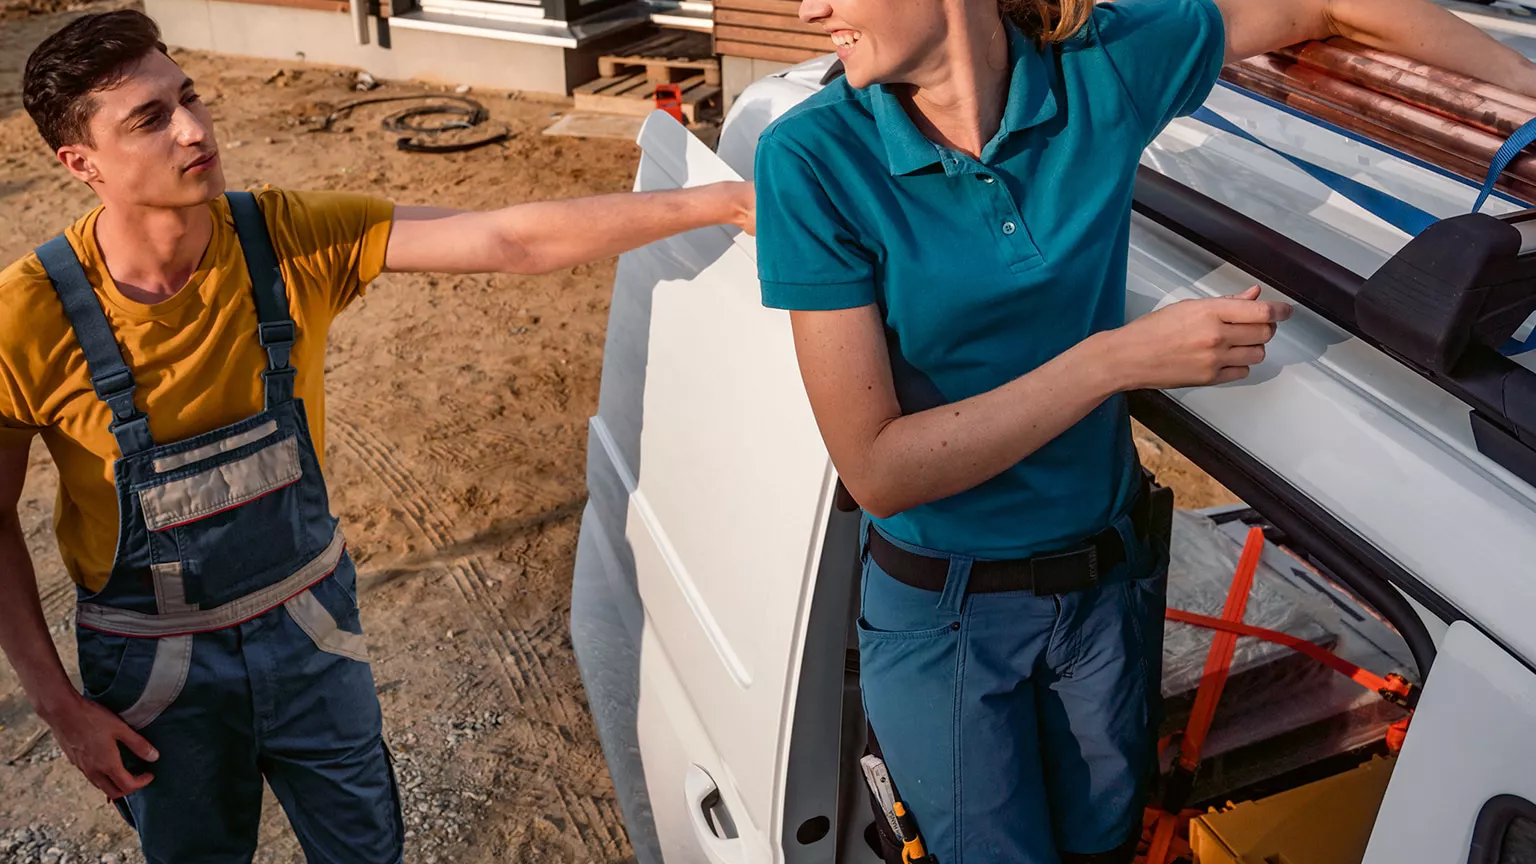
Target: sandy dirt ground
x=457, y=408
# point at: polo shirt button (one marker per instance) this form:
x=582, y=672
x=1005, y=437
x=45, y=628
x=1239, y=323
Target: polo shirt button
x=1009, y=227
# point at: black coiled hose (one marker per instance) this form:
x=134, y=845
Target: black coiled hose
x=417, y=136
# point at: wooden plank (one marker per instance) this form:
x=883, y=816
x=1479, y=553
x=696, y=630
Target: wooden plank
x=782, y=38
x=657, y=45
x=664, y=46
x=581, y=124
x=619, y=86
x=649, y=44
x=684, y=86
x=661, y=56
x=634, y=96
x=600, y=84
x=699, y=90
x=759, y=51
x=764, y=21
x=700, y=63
x=614, y=105
x=635, y=88
x=317, y=5
x=679, y=45
x=657, y=70
x=772, y=7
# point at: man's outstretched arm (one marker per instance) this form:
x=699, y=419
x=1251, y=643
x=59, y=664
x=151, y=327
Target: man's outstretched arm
x=545, y=236
x=87, y=733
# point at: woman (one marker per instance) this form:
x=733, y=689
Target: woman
x=949, y=227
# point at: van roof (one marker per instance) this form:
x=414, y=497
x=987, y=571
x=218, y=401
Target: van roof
x=1360, y=420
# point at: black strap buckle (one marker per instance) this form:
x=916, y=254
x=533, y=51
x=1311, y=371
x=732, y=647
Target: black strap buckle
x=277, y=333
x=1066, y=572
x=117, y=389
x=132, y=434
x=113, y=383
x=277, y=337
x=282, y=378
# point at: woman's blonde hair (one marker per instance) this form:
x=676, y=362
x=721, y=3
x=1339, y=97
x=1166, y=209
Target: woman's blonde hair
x=1047, y=21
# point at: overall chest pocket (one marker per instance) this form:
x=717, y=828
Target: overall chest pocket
x=235, y=517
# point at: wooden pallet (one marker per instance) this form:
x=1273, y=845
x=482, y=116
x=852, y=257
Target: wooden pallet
x=665, y=58
x=634, y=94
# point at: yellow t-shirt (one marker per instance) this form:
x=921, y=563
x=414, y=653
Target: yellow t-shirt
x=195, y=357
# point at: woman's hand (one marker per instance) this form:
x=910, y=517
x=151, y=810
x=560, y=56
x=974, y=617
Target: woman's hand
x=1195, y=343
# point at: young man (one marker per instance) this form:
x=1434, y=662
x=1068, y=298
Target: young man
x=169, y=347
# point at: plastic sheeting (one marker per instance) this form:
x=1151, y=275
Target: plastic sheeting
x=1279, y=710
x=1200, y=570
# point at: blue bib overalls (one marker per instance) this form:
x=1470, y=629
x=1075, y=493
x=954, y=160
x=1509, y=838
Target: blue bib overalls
x=228, y=631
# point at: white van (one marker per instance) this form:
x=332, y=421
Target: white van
x=715, y=581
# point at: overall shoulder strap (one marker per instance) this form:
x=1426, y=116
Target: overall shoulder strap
x=276, y=329
x=110, y=376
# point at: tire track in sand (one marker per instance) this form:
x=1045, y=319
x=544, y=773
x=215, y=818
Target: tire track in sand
x=519, y=659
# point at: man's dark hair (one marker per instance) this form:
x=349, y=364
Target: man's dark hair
x=91, y=53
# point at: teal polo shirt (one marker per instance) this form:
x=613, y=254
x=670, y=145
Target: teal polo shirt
x=984, y=269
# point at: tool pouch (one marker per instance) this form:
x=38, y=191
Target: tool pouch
x=1160, y=521
x=887, y=844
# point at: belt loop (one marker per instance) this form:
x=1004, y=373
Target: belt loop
x=952, y=600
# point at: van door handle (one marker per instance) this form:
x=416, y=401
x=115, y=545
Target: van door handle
x=711, y=819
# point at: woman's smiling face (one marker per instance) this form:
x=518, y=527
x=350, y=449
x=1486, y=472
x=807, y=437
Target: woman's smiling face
x=879, y=41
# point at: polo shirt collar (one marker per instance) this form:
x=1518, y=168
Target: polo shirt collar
x=1030, y=103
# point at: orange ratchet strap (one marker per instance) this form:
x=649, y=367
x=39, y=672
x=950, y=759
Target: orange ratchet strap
x=1217, y=664
x=1393, y=688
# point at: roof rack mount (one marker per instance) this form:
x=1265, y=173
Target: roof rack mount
x=1442, y=305
x=1463, y=280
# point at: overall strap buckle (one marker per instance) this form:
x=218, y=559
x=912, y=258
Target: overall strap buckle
x=278, y=338
x=279, y=385
x=130, y=427
x=116, y=388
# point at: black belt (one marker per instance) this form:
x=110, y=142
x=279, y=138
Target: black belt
x=1063, y=572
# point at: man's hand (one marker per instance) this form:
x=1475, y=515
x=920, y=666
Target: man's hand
x=743, y=198
x=89, y=734
x=545, y=236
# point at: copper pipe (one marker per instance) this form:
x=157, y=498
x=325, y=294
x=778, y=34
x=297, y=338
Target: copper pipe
x=1350, y=120
x=1454, y=80
x=1463, y=141
x=1354, y=122
x=1481, y=112
x=1469, y=164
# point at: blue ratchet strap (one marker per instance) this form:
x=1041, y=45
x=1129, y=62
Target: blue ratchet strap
x=1400, y=214
x=1519, y=140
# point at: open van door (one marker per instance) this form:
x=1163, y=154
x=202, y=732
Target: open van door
x=1462, y=789
x=696, y=566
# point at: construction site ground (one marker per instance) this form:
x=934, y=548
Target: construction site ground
x=457, y=410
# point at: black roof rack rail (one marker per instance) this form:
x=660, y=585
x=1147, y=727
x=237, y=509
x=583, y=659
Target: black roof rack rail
x=1462, y=285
